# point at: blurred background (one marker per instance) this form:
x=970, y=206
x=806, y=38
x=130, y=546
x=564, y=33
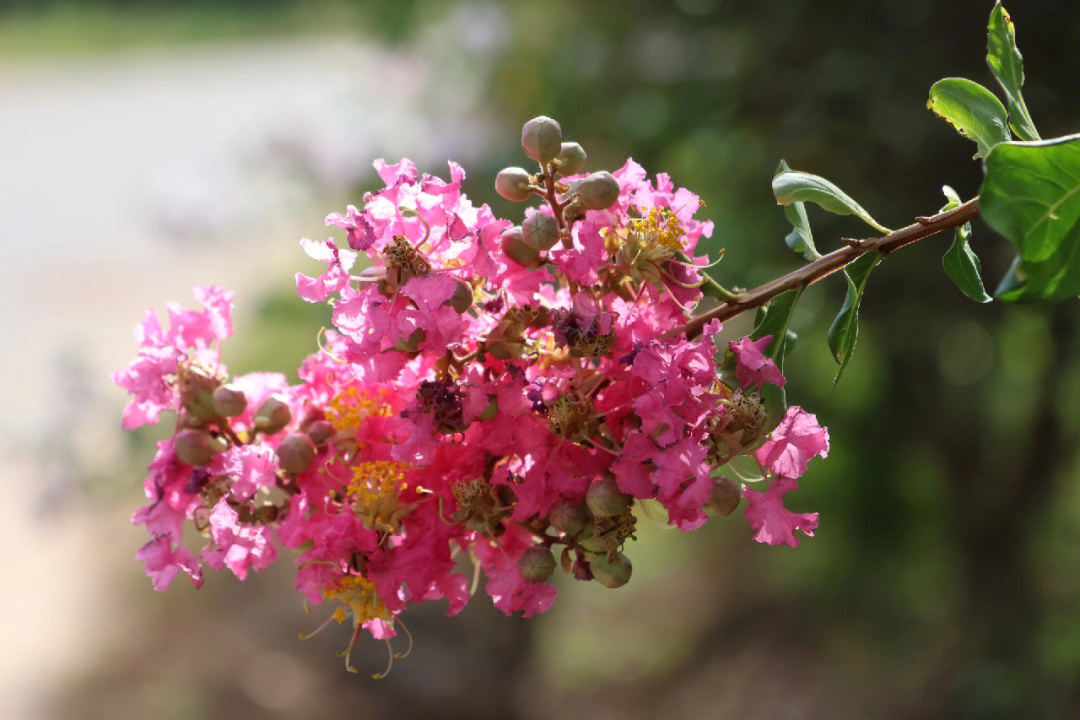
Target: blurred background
x=147, y=147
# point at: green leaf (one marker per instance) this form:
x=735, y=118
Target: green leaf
x=775, y=321
x=1031, y=195
x=960, y=261
x=845, y=326
x=972, y=110
x=800, y=239
x=1008, y=67
x=793, y=186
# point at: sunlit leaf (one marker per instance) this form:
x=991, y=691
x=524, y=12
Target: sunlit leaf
x=793, y=186
x=1008, y=67
x=1031, y=195
x=972, y=110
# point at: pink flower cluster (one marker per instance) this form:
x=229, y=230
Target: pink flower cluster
x=475, y=407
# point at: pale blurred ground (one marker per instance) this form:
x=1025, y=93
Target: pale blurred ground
x=125, y=180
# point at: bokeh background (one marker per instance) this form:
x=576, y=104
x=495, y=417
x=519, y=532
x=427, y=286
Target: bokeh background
x=147, y=147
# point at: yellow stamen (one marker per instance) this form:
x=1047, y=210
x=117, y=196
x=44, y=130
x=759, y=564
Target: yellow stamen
x=351, y=407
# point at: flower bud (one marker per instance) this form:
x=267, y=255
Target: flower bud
x=724, y=497
x=295, y=452
x=612, y=574
x=571, y=158
x=541, y=139
x=272, y=415
x=513, y=184
x=598, y=191
x=540, y=231
x=536, y=564
x=320, y=431
x=515, y=248
x=195, y=447
x=228, y=401
x=568, y=517
x=462, y=298
x=604, y=498
x=196, y=393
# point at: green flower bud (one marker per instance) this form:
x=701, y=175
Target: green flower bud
x=491, y=410
x=228, y=401
x=513, y=184
x=272, y=415
x=515, y=248
x=541, y=139
x=598, y=191
x=612, y=574
x=604, y=498
x=571, y=158
x=724, y=497
x=462, y=298
x=195, y=447
x=295, y=452
x=540, y=231
x=196, y=394
x=536, y=564
x=320, y=431
x=568, y=516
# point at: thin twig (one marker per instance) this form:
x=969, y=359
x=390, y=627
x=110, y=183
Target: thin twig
x=828, y=264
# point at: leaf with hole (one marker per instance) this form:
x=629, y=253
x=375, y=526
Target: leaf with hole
x=972, y=110
x=1007, y=65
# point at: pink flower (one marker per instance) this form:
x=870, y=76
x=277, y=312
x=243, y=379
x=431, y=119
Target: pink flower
x=793, y=443
x=751, y=365
x=774, y=523
x=164, y=561
x=235, y=545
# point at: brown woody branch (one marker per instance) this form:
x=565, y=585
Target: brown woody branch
x=828, y=264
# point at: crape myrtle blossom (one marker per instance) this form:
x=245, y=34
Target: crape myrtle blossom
x=491, y=400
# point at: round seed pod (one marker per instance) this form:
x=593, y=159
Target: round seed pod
x=568, y=517
x=571, y=158
x=598, y=191
x=513, y=184
x=541, y=139
x=229, y=401
x=604, y=498
x=612, y=574
x=536, y=564
x=295, y=452
x=194, y=447
x=540, y=231
x=514, y=246
x=724, y=497
x=273, y=415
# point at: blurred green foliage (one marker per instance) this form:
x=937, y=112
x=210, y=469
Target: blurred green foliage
x=943, y=580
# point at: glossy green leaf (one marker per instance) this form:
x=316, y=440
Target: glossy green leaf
x=845, y=326
x=1007, y=65
x=972, y=110
x=960, y=261
x=1031, y=195
x=800, y=239
x=775, y=321
x=793, y=186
